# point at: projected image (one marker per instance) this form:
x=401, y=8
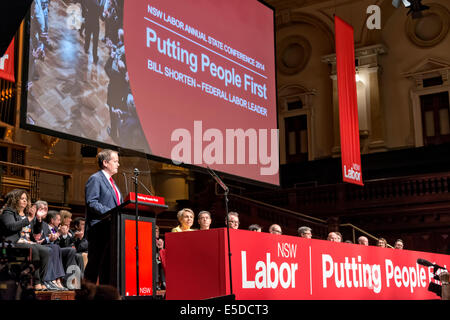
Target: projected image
x=78, y=81
x=160, y=77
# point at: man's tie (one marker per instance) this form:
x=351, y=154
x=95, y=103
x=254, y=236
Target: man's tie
x=115, y=190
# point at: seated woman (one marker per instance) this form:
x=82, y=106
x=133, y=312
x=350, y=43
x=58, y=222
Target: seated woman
x=186, y=219
x=19, y=222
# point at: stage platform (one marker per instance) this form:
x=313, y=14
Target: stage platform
x=70, y=295
x=55, y=295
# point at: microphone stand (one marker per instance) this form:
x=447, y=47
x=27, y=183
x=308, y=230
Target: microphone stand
x=226, y=190
x=135, y=179
x=140, y=182
x=146, y=189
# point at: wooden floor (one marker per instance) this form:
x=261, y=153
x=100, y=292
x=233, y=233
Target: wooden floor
x=55, y=295
x=70, y=94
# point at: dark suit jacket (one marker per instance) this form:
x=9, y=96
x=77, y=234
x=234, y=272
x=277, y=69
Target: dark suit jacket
x=100, y=198
x=46, y=231
x=68, y=242
x=80, y=244
x=11, y=225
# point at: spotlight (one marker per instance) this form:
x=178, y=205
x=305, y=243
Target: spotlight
x=415, y=7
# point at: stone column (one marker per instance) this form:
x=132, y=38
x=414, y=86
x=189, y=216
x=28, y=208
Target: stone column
x=373, y=137
x=377, y=140
x=172, y=184
x=336, y=150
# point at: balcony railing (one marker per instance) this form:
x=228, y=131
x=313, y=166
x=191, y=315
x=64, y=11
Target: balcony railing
x=41, y=183
x=326, y=199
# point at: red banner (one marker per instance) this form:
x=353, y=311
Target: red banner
x=145, y=258
x=348, y=105
x=273, y=267
x=7, y=64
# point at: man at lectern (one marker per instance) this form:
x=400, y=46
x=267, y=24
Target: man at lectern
x=102, y=194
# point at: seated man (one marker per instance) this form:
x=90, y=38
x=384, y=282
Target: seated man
x=363, y=240
x=233, y=220
x=204, y=220
x=305, y=232
x=81, y=243
x=66, y=239
x=255, y=227
x=332, y=236
x=382, y=243
x=398, y=244
x=275, y=229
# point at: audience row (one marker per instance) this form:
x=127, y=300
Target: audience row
x=186, y=220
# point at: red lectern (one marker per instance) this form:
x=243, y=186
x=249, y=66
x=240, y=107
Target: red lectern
x=122, y=224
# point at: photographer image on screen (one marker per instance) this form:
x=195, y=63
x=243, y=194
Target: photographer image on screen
x=152, y=68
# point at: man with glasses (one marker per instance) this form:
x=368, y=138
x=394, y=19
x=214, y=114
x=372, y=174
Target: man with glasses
x=398, y=244
x=204, y=220
x=233, y=220
x=305, y=232
x=275, y=229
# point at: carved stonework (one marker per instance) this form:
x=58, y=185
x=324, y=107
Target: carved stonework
x=366, y=57
x=431, y=29
x=294, y=54
x=9, y=132
x=49, y=143
x=428, y=68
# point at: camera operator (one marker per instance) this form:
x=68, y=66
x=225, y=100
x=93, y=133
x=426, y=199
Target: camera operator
x=443, y=290
x=16, y=273
x=444, y=277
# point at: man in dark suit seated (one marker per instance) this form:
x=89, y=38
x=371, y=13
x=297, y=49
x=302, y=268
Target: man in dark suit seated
x=80, y=240
x=102, y=194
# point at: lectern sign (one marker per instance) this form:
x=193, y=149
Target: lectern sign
x=145, y=198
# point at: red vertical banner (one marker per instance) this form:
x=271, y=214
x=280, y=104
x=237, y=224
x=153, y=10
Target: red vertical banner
x=348, y=105
x=145, y=258
x=7, y=64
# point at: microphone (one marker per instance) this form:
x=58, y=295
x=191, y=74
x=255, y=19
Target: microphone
x=427, y=263
x=136, y=173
